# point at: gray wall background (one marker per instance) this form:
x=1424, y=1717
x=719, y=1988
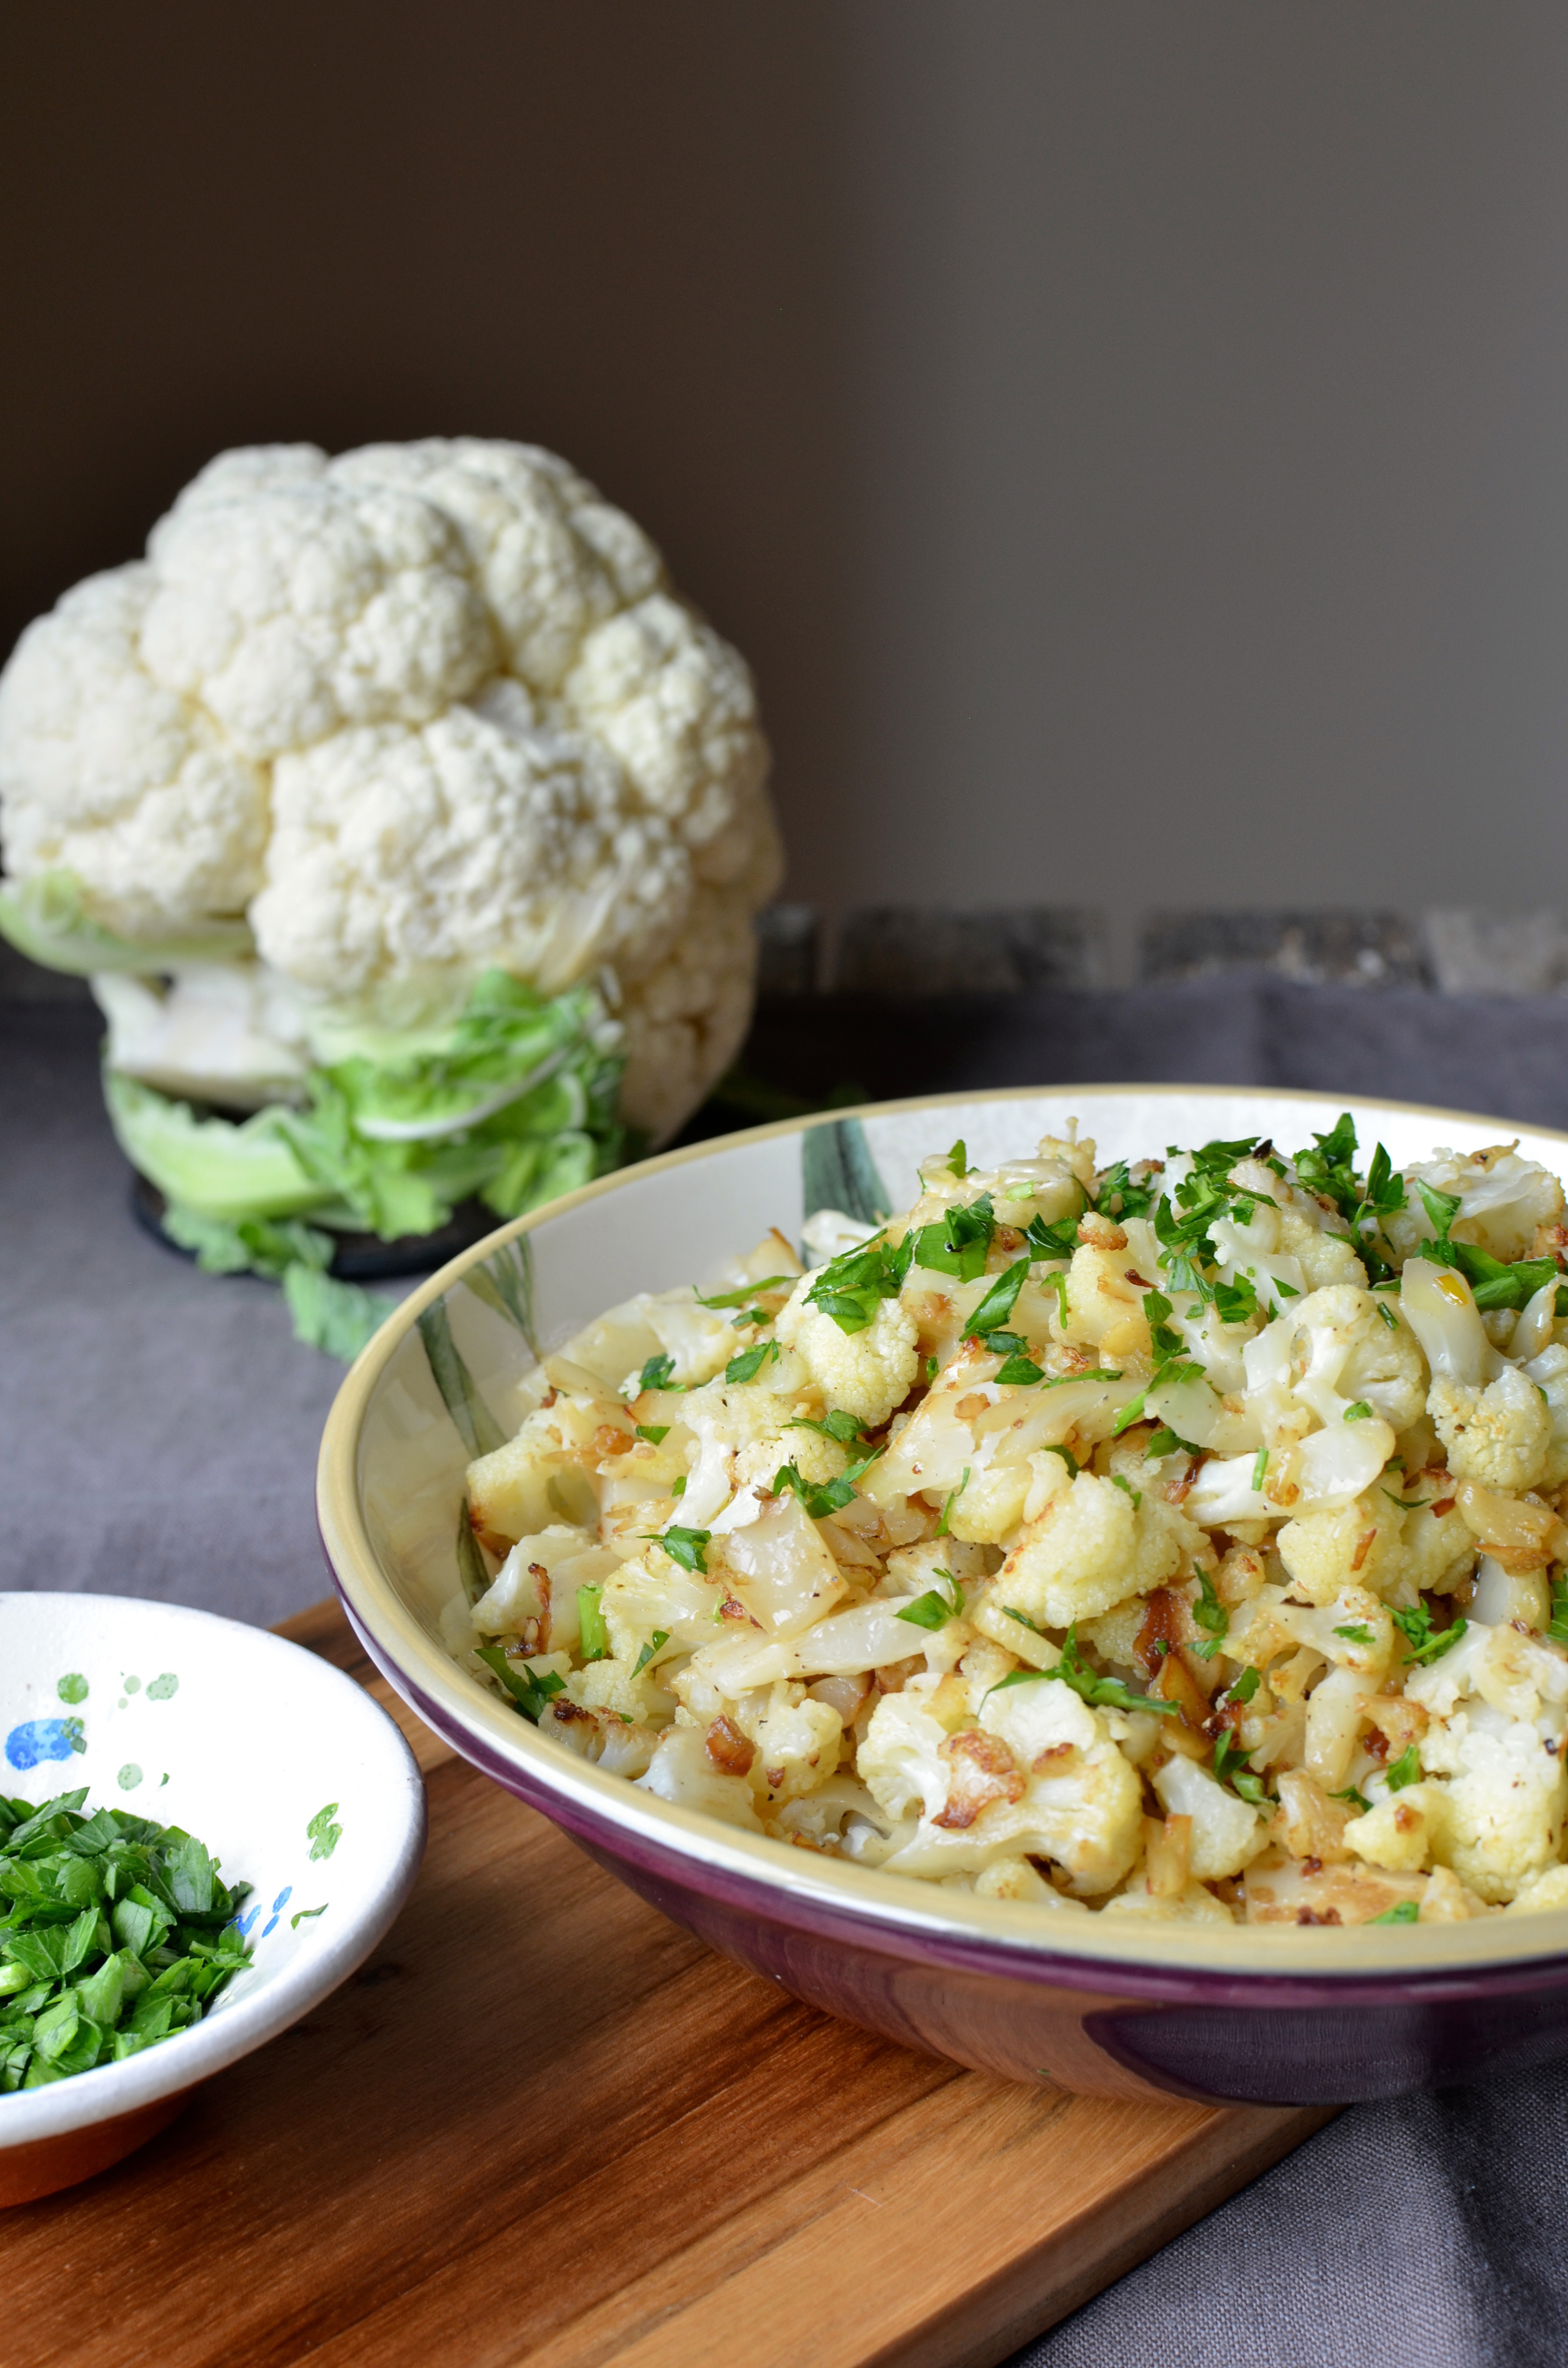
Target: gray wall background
x=1130, y=441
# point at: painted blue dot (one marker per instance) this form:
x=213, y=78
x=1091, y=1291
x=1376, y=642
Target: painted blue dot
x=44, y=1738
x=244, y=1924
x=279, y=1904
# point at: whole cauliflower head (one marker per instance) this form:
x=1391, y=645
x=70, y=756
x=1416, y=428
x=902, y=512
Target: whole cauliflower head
x=415, y=712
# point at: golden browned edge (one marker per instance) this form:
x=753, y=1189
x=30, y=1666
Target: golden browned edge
x=892, y=1903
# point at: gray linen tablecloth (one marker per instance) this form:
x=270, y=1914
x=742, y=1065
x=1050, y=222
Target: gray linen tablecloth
x=158, y=1430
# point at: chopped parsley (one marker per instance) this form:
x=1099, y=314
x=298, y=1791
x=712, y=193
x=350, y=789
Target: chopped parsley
x=822, y=1497
x=1492, y=1284
x=1165, y=1441
x=1356, y=1800
x=653, y=1432
x=1211, y=1615
x=656, y=1642
x=1057, y=1241
x=958, y=1160
x=834, y=1424
x=591, y=1624
x=1358, y=1411
x=683, y=1547
x=747, y=1291
x=1017, y=1368
x=851, y=1287
x=1403, y=1911
x=1416, y=1626
x=119, y=1932
x=658, y=1373
x=934, y=1608
x=750, y=1362
x=1230, y=1769
x=1259, y=1467
x=958, y=1243
x=1102, y=1693
x=1557, y=1626
x=1127, y=1488
x=531, y=1689
x=1355, y=1632
x=949, y=1502
x=1405, y=1770
x=997, y=1305
x=1242, y=1689
x=1118, y=1196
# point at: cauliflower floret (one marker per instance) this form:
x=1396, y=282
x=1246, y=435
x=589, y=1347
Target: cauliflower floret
x=1499, y=1436
x=1091, y=1547
x=1396, y=1833
x=1440, y=1549
x=798, y=1739
x=1546, y=1891
x=1103, y=1309
x=1227, y=1833
x=1192, y=1906
x=867, y=1373
x=1499, y=1821
x=1326, y=1258
x=682, y=1770
x=1360, y=1543
x=541, y=1476
x=1018, y=1878
x=1502, y=1199
x=1039, y=1776
x=414, y=712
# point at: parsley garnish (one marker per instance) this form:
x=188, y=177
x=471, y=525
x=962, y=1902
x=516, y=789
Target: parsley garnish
x=1211, y=1616
x=1018, y=1367
x=656, y=1642
x=1404, y=1911
x=1165, y=1442
x=684, y=1546
x=118, y=1932
x=1023, y=1618
x=750, y=1362
x=1127, y=1488
x=1070, y=1461
x=997, y=1305
x=1102, y=1693
x=934, y=1610
x=957, y=1243
x=1240, y=1780
x=950, y=1501
x=1057, y=1241
x=747, y=1291
x=1355, y=1632
x=851, y=1287
x=657, y=1375
x=958, y=1160
x=1557, y=1626
x=530, y=1690
x=1242, y=1689
x=1259, y=1467
x=1416, y=1626
x=1358, y=1411
x=1119, y=1197
x=835, y=1424
x=1359, y=1800
x=1390, y=1318
x=821, y=1499
x=1405, y=1770
x=653, y=1432
x=591, y=1624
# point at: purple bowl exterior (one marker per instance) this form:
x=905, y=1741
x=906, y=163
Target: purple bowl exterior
x=1244, y=2039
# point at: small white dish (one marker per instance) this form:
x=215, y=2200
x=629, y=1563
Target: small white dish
x=244, y=1740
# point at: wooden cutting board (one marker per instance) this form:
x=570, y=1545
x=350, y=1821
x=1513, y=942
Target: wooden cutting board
x=544, y=2124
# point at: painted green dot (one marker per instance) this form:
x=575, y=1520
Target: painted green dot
x=130, y=1777
x=162, y=1688
x=73, y=1688
x=120, y=1703
x=163, y=1779
x=132, y=1685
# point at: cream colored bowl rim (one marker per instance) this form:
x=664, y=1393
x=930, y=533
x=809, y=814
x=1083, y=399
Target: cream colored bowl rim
x=886, y=1905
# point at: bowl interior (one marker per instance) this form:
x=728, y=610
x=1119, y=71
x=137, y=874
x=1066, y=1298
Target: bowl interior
x=442, y=1382
x=293, y=1777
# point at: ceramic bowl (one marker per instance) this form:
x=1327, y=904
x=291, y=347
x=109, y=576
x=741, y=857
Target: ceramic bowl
x=1254, y=2014
x=242, y=1739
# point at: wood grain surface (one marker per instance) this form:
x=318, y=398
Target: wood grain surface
x=544, y=2124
